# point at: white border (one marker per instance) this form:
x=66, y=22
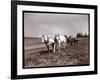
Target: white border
x=21, y=71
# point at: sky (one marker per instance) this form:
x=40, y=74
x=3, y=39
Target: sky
x=38, y=24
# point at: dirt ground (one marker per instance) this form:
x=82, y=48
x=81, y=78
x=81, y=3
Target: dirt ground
x=71, y=55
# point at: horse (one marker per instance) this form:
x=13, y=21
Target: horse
x=60, y=40
x=48, y=41
x=72, y=40
x=75, y=40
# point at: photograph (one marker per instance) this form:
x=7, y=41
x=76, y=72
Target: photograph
x=55, y=39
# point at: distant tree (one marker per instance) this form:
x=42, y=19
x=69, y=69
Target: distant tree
x=77, y=35
x=80, y=34
x=86, y=35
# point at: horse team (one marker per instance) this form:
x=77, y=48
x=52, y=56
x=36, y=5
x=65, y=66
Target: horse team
x=58, y=42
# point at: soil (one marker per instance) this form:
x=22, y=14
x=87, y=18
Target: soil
x=77, y=54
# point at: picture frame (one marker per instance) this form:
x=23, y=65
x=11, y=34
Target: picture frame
x=23, y=11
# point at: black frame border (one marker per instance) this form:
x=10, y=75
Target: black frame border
x=14, y=38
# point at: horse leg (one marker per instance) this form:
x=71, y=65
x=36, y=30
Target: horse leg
x=48, y=48
x=54, y=48
x=59, y=47
x=65, y=45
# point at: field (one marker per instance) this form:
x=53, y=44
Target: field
x=36, y=54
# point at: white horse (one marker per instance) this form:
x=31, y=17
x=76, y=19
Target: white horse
x=60, y=40
x=48, y=41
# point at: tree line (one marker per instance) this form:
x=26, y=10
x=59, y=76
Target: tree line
x=80, y=34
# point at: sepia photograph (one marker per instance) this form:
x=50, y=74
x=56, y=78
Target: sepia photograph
x=55, y=39
x=52, y=39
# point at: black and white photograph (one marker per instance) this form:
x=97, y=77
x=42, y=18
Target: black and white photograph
x=55, y=39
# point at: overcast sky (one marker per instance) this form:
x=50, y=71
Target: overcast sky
x=37, y=24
